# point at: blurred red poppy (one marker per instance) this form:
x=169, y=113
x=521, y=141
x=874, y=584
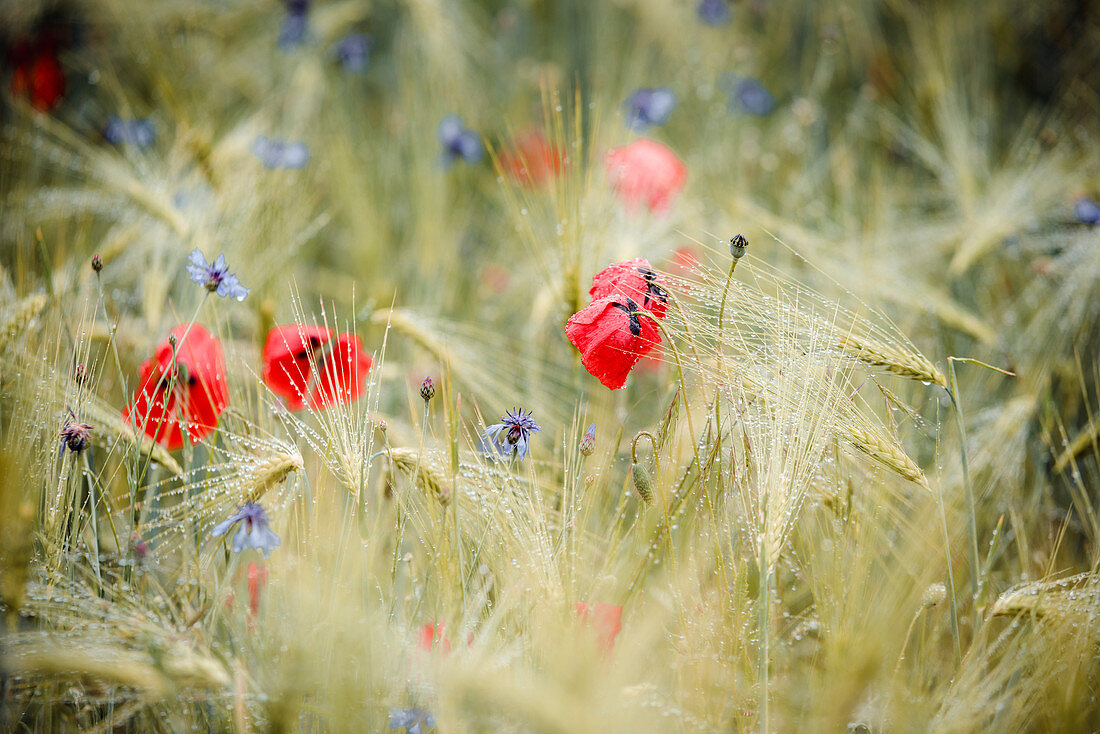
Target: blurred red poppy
x=37, y=73
x=431, y=635
x=646, y=173
x=611, y=337
x=531, y=160
x=257, y=579
x=308, y=365
x=186, y=393
x=634, y=279
x=605, y=618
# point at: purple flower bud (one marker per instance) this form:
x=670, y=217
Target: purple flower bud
x=295, y=25
x=713, y=12
x=458, y=141
x=748, y=95
x=276, y=153
x=427, y=389
x=139, y=133
x=1086, y=211
x=647, y=108
x=588, y=443
x=97, y=263
x=353, y=52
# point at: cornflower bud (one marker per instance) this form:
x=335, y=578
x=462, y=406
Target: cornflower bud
x=427, y=389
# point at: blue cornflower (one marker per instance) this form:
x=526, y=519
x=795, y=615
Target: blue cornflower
x=458, y=141
x=749, y=95
x=411, y=719
x=713, y=12
x=353, y=52
x=295, y=24
x=277, y=153
x=133, y=132
x=511, y=435
x=253, y=532
x=215, y=276
x=1086, y=211
x=647, y=108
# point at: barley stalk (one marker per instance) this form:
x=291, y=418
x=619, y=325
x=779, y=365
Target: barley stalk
x=1077, y=594
x=271, y=472
x=20, y=316
x=911, y=365
x=106, y=423
x=878, y=447
x=430, y=476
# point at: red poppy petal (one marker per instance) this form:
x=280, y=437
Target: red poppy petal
x=153, y=410
x=342, y=376
x=286, y=358
x=606, y=618
x=626, y=279
x=47, y=83
x=159, y=405
x=645, y=173
x=532, y=161
x=609, y=351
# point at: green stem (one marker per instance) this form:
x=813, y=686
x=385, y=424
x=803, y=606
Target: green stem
x=971, y=517
x=947, y=552
x=764, y=601
x=680, y=373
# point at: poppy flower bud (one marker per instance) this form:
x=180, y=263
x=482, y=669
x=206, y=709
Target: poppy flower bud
x=643, y=483
x=97, y=263
x=738, y=243
x=427, y=389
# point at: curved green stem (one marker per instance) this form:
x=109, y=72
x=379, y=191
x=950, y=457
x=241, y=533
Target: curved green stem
x=680, y=373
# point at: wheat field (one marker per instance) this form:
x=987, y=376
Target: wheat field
x=549, y=366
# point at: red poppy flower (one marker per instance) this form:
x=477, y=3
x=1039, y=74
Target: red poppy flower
x=685, y=260
x=188, y=393
x=532, y=161
x=257, y=579
x=37, y=73
x=611, y=338
x=307, y=363
x=431, y=635
x=647, y=173
x=606, y=618
x=634, y=279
